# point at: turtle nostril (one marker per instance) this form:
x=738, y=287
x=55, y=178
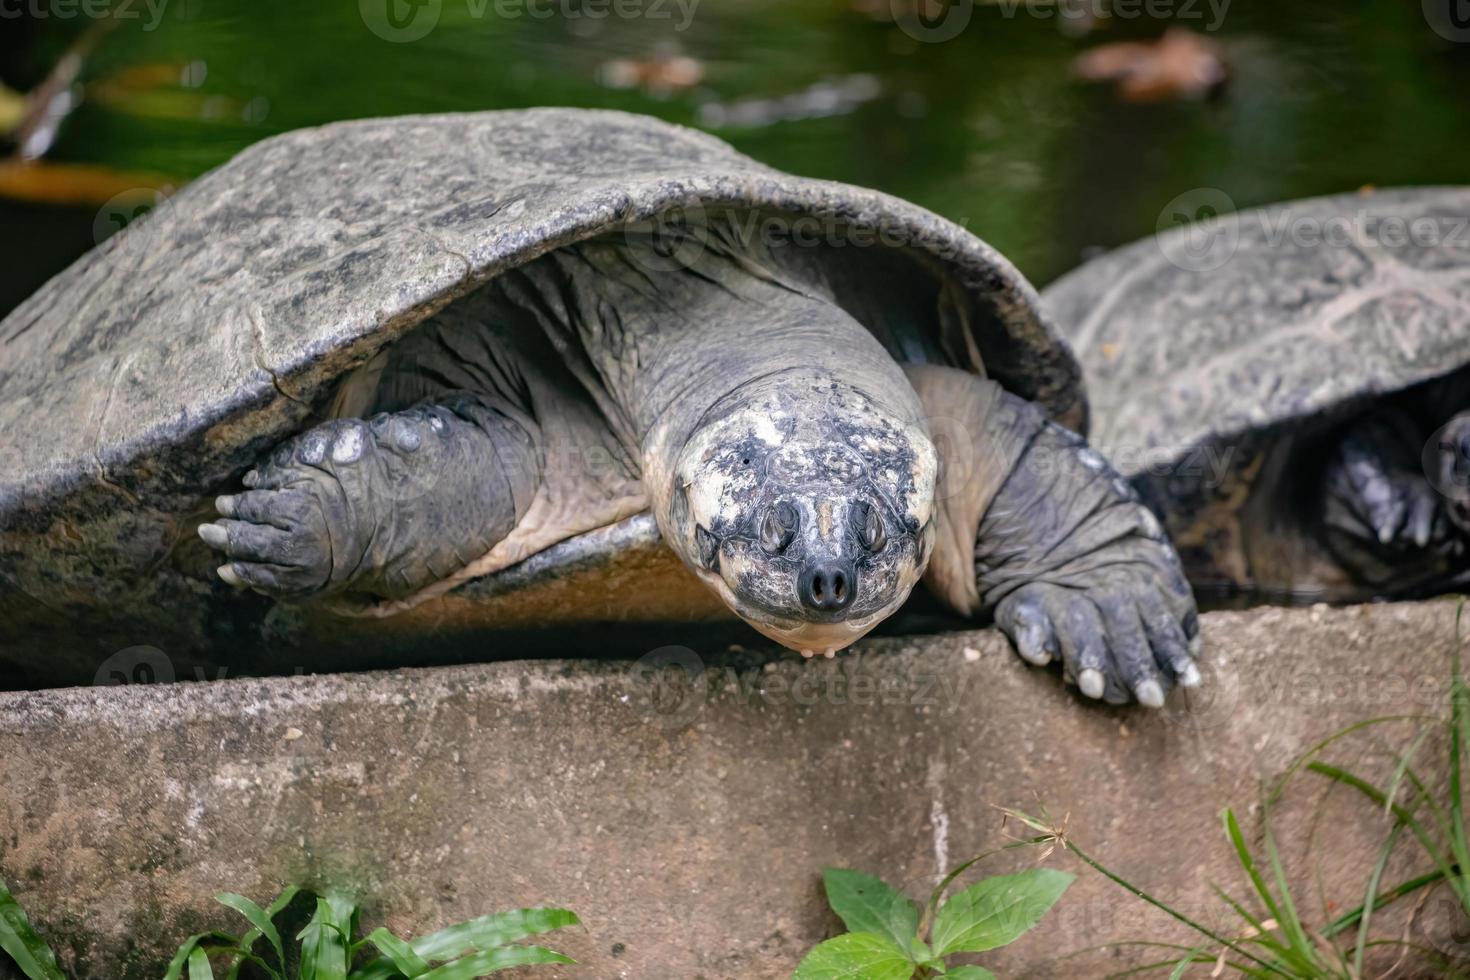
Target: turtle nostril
x=827, y=586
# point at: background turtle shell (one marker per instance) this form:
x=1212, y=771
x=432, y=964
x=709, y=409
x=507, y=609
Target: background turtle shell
x=1216, y=353
x=155, y=370
x=1256, y=319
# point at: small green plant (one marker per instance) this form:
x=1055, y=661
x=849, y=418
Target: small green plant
x=327, y=947
x=889, y=939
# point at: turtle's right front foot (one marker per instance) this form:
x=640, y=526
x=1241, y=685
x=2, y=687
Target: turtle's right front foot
x=383, y=507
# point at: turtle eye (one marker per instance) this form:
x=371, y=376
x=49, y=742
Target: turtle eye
x=778, y=528
x=869, y=527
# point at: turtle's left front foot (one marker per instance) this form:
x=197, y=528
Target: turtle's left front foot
x=1076, y=569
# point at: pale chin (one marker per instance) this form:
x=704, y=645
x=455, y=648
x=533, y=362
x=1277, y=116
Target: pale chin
x=808, y=639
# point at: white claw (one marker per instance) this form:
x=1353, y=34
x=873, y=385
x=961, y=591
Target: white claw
x=1149, y=694
x=225, y=506
x=1195, y=646
x=214, y=535
x=227, y=573
x=1029, y=643
x=1190, y=677
x=1091, y=683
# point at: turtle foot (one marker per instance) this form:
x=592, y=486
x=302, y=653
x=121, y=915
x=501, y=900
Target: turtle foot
x=279, y=536
x=1077, y=570
x=382, y=507
x=1377, y=492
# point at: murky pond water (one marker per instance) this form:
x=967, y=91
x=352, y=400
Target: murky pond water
x=989, y=127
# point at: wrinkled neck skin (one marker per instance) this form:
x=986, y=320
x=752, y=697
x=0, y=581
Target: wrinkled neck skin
x=756, y=400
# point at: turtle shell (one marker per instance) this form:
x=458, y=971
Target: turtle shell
x=150, y=374
x=1207, y=346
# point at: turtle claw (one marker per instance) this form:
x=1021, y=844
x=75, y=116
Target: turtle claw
x=1091, y=683
x=1149, y=694
x=215, y=536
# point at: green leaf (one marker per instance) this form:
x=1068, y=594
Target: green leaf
x=409, y=963
x=970, y=973
x=495, y=960
x=199, y=968
x=325, y=938
x=248, y=940
x=856, y=956
x=996, y=911
x=259, y=918
x=868, y=904
x=24, y=945
x=484, y=933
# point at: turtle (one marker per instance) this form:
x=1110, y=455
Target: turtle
x=1288, y=389
x=400, y=370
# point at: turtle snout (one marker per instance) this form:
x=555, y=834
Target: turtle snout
x=827, y=586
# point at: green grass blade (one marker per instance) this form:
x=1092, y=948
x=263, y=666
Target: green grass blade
x=493, y=961
x=1137, y=892
x=1303, y=947
x=1247, y=862
x=1372, y=893
x=259, y=918
x=1404, y=816
x=22, y=943
x=486, y=932
x=1336, y=736
x=1190, y=958
x=490, y=931
x=1399, y=770
x=400, y=953
x=199, y=968
x=1349, y=919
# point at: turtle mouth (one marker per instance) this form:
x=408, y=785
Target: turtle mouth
x=807, y=637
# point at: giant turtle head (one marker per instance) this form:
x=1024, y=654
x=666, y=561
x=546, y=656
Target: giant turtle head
x=807, y=507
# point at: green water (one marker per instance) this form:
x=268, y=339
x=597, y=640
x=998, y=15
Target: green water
x=988, y=128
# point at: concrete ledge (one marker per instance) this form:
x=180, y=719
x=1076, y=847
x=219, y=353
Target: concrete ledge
x=688, y=823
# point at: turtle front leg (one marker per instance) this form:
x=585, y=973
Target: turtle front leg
x=383, y=507
x=1074, y=567
x=1034, y=528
